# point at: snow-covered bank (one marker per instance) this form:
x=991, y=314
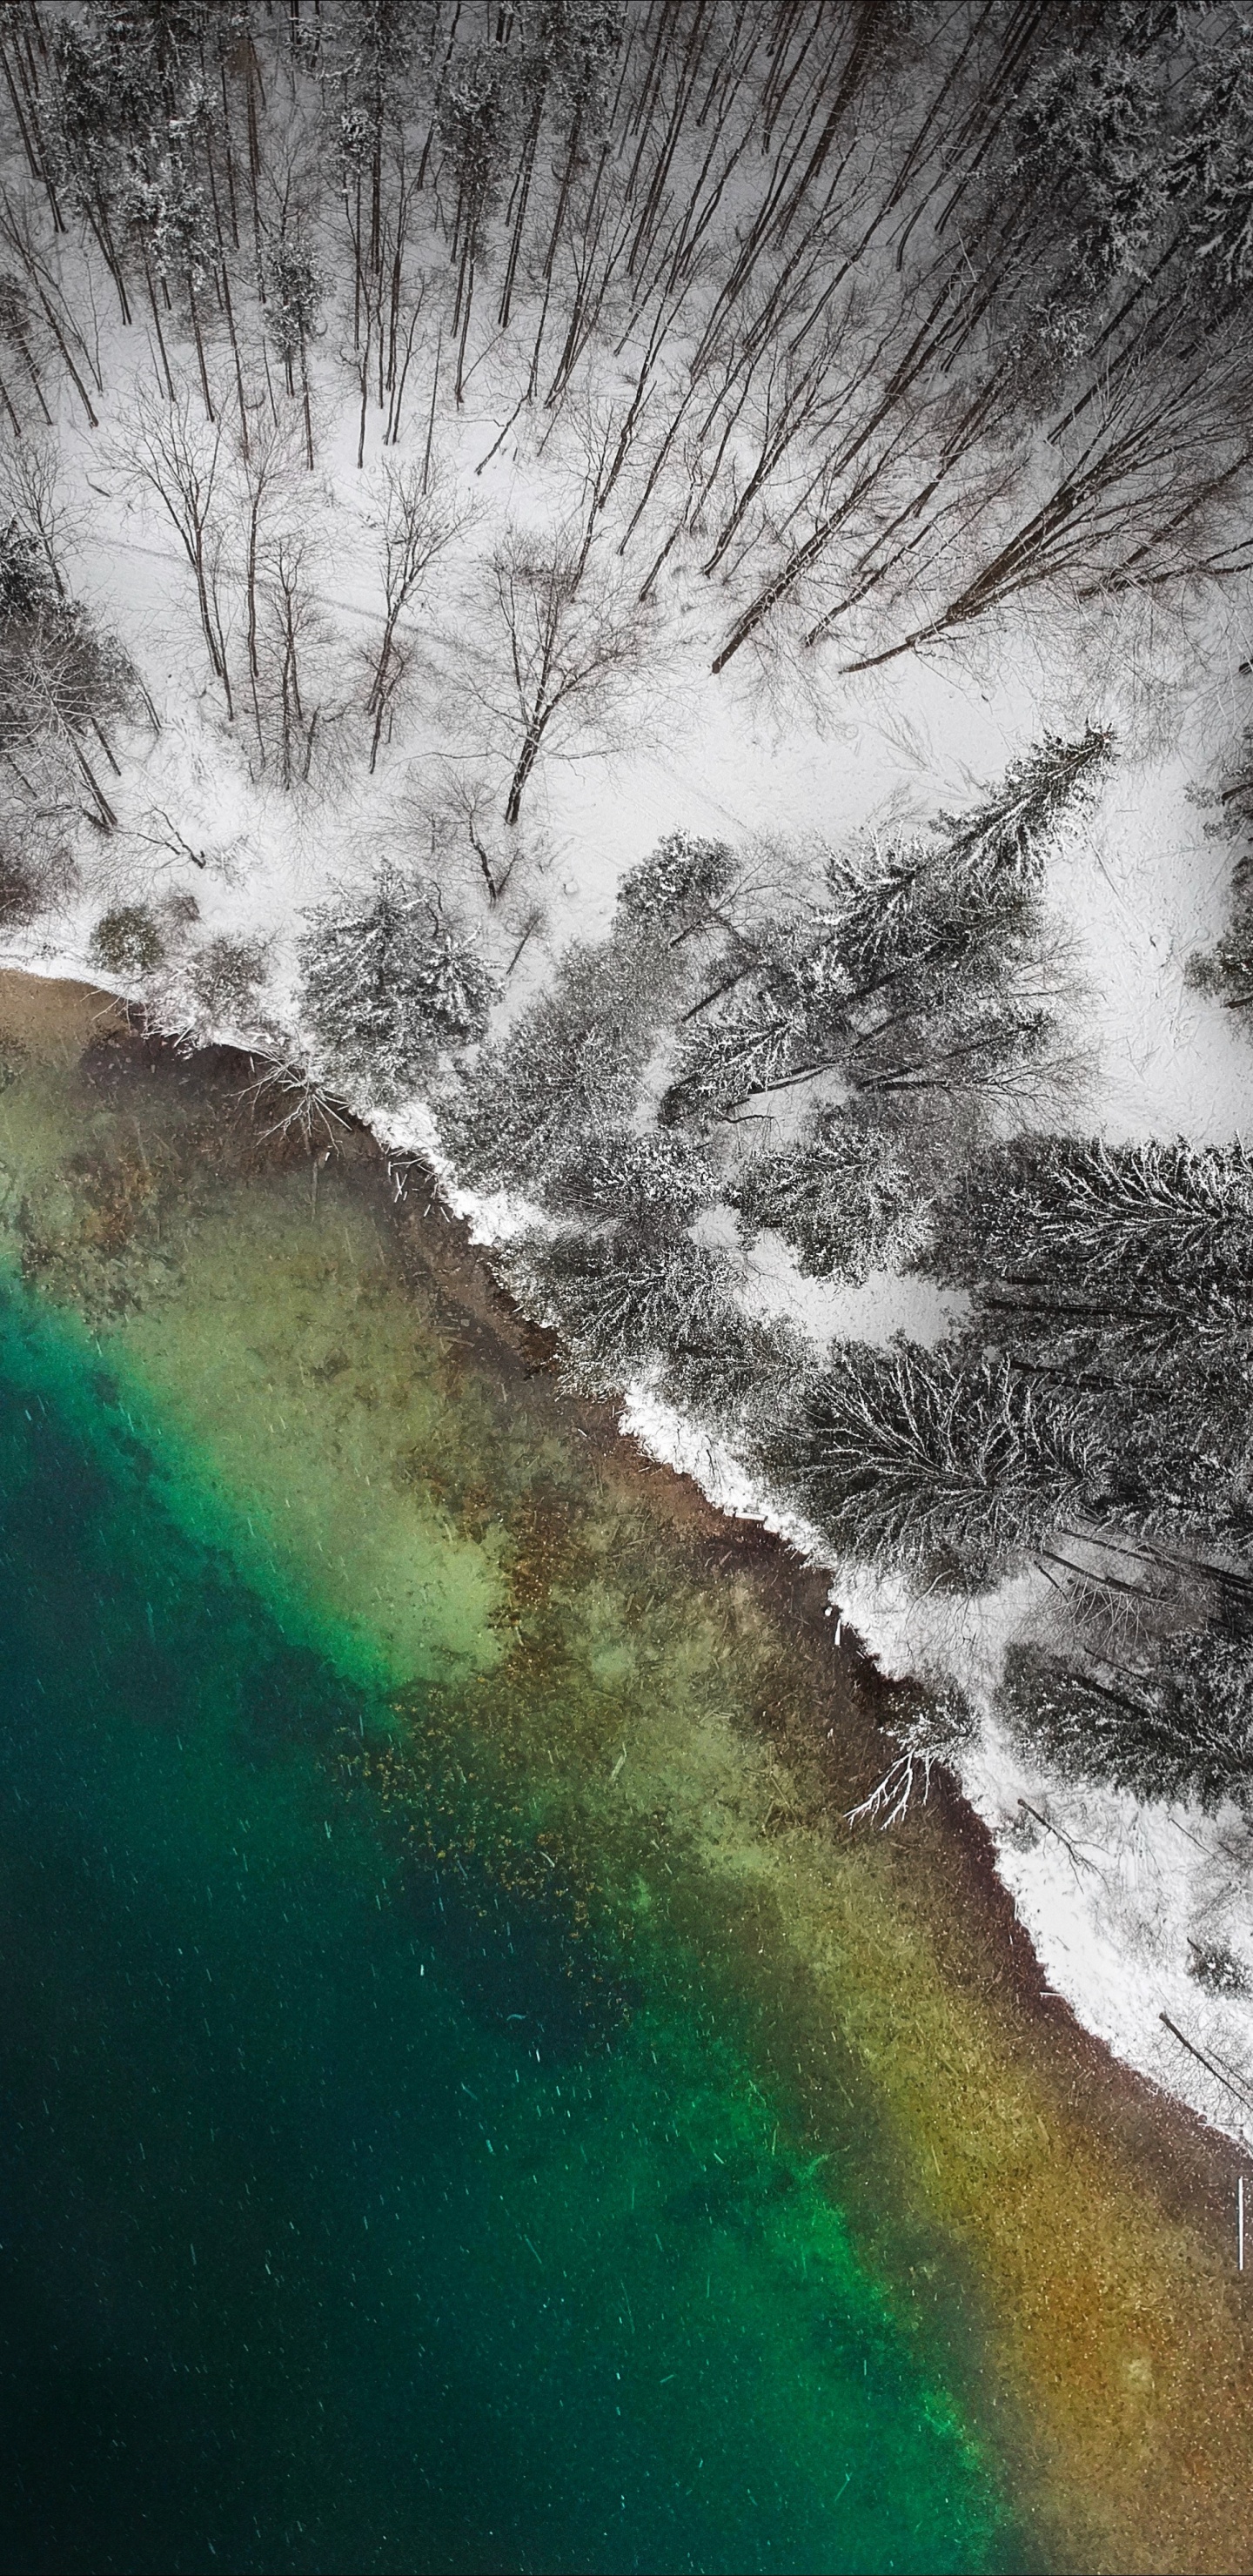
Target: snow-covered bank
x=1124, y=1900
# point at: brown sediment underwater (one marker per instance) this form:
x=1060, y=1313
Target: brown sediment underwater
x=352, y=1383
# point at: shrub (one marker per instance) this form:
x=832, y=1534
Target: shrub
x=127, y=941
x=21, y=890
x=224, y=976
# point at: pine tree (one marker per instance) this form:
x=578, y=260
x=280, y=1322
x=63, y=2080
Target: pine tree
x=652, y=1181
x=679, y=886
x=389, y=985
x=843, y=1197
x=568, y=1069
x=950, y=1467
x=1103, y=1256
x=922, y=973
x=1009, y=833
x=1179, y=1728
x=621, y=1299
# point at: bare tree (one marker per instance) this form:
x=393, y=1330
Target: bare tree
x=182, y=461
x=295, y=663
x=415, y=526
x=573, y=641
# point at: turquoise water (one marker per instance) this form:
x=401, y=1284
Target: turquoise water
x=366, y=2199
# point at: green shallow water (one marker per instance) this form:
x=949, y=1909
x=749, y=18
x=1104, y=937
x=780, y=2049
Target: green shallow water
x=470, y=2102
x=364, y=2208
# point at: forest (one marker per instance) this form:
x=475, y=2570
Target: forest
x=815, y=337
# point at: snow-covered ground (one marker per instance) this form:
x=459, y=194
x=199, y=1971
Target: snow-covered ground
x=1112, y=1893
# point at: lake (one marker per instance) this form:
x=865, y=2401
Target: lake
x=470, y=2101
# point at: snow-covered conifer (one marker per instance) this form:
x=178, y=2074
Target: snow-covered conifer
x=1012, y=828
x=1073, y=1246
x=843, y=1196
x=568, y=1068
x=654, y=1179
x=620, y=1298
x=1181, y=1727
x=679, y=885
x=389, y=985
x=951, y=1467
x=927, y=970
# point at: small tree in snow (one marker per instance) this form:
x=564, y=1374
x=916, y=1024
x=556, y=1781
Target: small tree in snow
x=293, y=306
x=843, y=1196
x=414, y=527
x=62, y=683
x=573, y=639
x=389, y=986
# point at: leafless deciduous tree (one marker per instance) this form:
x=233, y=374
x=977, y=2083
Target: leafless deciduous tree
x=415, y=525
x=574, y=641
x=182, y=460
x=300, y=716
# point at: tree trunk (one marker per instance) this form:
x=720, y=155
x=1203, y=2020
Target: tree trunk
x=304, y=396
x=530, y=754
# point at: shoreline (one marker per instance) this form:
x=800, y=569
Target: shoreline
x=1021, y=2188
x=779, y=1567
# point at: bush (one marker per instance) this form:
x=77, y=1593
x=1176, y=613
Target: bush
x=21, y=890
x=127, y=941
x=1217, y=1968
x=224, y=976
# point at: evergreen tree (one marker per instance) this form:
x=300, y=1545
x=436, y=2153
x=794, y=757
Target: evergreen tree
x=1009, y=833
x=389, y=985
x=953, y=1468
x=843, y=1197
x=921, y=973
x=62, y=682
x=654, y=1182
x=621, y=1298
x=1181, y=1728
x=1106, y=1258
x=679, y=886
x=569, y=1068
